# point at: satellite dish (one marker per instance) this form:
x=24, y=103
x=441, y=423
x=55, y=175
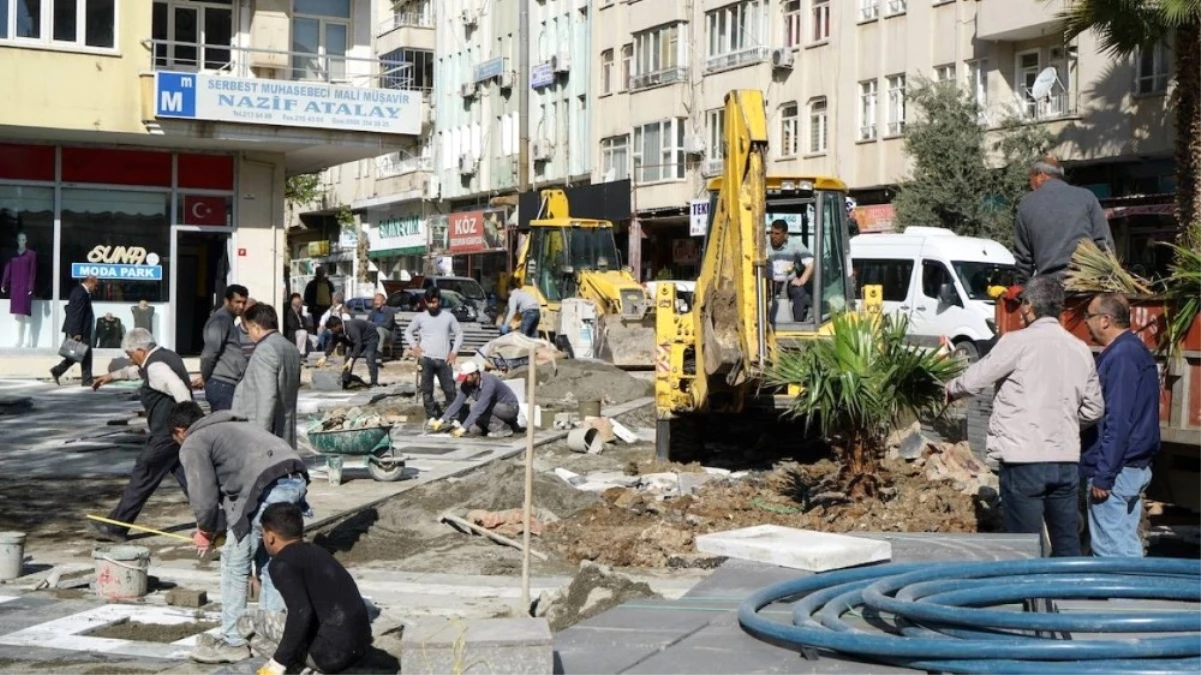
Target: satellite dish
x=1043, y=83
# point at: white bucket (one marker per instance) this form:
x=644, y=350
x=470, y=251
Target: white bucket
x=121, y=572
x=12, y=554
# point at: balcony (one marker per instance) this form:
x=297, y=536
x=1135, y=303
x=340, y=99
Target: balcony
x=400, y=163
x=405, y=20
x=736, y=59
x=659, y=78
x=1056, y=106
x=415, y=30
x=1018, y=20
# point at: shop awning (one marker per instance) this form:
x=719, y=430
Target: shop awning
x=397, y=252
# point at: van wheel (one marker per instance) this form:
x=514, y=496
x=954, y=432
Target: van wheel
x=967, y=350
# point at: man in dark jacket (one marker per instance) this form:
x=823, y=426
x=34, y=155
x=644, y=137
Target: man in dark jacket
x=268, y=393
x=1053, y=219
x=361, y=340
x=164, y=383
x=78, y=324
x=319, y=294
x=384, y=318
x=1119, y=450
x=223, y=361
x=234, y=469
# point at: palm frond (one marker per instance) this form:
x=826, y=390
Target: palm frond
x=1182, y=288
x=1095, y=270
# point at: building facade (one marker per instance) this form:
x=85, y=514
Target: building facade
x=148, y=143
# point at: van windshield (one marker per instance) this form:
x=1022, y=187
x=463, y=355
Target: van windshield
x=976, y=277
x=466, y=287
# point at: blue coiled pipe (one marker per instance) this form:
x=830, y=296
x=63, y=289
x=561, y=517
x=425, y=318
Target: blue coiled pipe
x=937, y=616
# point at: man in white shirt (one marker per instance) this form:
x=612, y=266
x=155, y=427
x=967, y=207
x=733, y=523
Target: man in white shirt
x=791, y=267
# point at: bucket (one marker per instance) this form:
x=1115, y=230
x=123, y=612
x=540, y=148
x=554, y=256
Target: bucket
x=12, y=554
x=121, y=572
x=589, y=409
x=585, y=440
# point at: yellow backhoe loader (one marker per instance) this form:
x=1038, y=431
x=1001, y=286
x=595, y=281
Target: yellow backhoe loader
x=565, y=257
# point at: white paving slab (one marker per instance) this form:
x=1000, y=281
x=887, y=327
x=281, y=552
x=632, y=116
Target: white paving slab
x=798, y=549
x=67, y=633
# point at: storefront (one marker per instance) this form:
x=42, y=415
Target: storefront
x=396, y=245
x=154, y=226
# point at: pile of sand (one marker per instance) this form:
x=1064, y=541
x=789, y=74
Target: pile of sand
x=587, y=380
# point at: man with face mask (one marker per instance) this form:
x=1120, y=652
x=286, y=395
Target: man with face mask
x=1046, y=391
x=436, y=338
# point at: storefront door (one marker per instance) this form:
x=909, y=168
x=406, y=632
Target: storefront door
x=201, y=273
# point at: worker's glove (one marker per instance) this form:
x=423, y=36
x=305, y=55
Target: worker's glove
x=346, y=367
x=436, y=425
x=459, y=432
x=203, y=541
x=321, y=362
x=271, y=667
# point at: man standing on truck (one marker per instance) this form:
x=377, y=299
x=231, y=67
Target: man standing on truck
x=1052, y=220
x=435, y=338
x=1046, y=390
x=791, y=266
x=1118, y=452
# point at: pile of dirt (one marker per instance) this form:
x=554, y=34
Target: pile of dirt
x=631, y=529
x=587, y=380
x=387, y=412
x=151, y=632
x=594, y=590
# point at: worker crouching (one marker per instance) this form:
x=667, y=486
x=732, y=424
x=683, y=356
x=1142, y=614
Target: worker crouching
x=493, y=406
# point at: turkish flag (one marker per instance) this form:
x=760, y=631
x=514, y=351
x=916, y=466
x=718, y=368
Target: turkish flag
x=202, y=210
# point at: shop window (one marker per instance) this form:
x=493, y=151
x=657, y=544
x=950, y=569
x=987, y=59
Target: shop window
x=125, y=234
x=206, y=172
x=27, y=265
x=81, y=23
x=117, y=167
x=26, y=162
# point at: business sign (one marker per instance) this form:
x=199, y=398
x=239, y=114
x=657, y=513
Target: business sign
x=198, y=96
x=541, y=75
x=875, y=218
x=698, y=217
x=490, y=69
x=397, y=236
x=122, y=263
x=474, y=232
x=204, y=210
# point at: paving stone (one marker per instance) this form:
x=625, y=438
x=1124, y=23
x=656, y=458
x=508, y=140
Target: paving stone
x=186, y=597
x=521, y=645
x=798, y=549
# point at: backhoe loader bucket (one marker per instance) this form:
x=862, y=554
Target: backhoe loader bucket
x=627, y=343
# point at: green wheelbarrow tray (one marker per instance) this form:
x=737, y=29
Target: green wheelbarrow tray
x=374, y=443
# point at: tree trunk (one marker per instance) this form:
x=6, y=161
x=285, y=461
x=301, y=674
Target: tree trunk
x=860, y=469
x=1187, y=103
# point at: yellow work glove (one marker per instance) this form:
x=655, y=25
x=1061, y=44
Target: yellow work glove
x=321, y=362
x=458, y=433
x=436, y=425
x=272, y=668
x=346, y=368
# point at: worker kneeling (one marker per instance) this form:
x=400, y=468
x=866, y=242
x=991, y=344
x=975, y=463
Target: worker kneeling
x=493, y=409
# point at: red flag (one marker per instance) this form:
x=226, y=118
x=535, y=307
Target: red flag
x=203, y=210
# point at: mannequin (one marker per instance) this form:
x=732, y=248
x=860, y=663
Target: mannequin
x=143, y=316
x=109, y=331
x=19, y=276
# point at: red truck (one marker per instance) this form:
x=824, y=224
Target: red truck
x=1177, y=472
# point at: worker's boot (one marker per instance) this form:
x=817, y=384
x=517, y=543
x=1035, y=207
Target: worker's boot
x=109, y=533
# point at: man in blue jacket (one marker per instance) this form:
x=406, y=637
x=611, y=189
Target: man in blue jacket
x=1118, y=452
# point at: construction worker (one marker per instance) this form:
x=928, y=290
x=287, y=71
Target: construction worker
x=524, y=303
x=223, y=361
x=436, y=338
x=791, y=267
x=493, y=410
x=361, y=340
x=1053, y=219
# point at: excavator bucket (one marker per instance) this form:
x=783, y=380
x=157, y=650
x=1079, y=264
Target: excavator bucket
x=627, y=343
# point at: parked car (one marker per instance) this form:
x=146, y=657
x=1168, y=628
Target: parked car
x=359, y=308
x=467, y=287
x=413, y=300
x=939, y=280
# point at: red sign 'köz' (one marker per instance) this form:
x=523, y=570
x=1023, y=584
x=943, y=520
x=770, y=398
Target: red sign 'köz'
x=466, y=233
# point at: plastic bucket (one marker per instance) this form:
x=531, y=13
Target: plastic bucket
x=121, y=572
x=12, y=554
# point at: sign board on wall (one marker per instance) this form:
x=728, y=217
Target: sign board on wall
x=490, y=69
x=541, y=75
x=404, y=233
x=199, y=96
x=875, y=218
x=123, y=263
x=698, y=217
x=474, y=232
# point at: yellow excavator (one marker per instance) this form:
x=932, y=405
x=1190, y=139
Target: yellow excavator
x=566, y=257
x=708, y=359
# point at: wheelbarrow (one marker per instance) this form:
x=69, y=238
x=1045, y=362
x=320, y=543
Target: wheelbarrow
x=372, y=443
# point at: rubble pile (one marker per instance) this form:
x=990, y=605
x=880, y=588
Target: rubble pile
x=595, y=589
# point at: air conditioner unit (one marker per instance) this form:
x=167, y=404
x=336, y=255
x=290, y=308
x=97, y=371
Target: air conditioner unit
x=466, y=164
x=694, y=144
x=431, y=189
x=560, y=63
x=467, y=90
x=782, y=58
x=543, y=150
x=506, y=79
x=468, y=18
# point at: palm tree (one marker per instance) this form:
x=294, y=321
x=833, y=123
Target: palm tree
x=857, y=385
x=1124, y=27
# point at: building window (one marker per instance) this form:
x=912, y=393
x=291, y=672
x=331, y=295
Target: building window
x=735, y=28
x=895, y=7
x=867, y=110
x=607, y=71
x=658, y=49
x=896, y=105
x=944, y=73
x=715, y=127
x=1027, y=67
x=76, y=23
x=789, y=121
x=627, y=66
x=615, y=157
x=191, y=36
x=977, y=72
x=1152, y=69
x=820, y=15
x=659, y=151
x=869, y=9
x=408, y=69
x=320, y=38
x=792, y=23
x=819, y=126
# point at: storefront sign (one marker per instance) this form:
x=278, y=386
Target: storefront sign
x=541, y=76
x=698, y=217
x=394, y=228
x=203, y=210
x=685, y=251
x=198, y=96
x=395, y=237
x=317, y=249
x=490, y=69
x=475, y=232
x=125, y=263
x=875, y=218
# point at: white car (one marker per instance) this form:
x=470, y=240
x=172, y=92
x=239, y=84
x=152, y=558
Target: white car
x=684, y=291
x=939, y=280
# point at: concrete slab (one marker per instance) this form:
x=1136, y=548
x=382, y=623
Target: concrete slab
x=522, y=645
x=799, y=549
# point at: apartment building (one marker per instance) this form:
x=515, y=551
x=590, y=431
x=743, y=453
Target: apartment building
x=835, y=74
x=148, y=142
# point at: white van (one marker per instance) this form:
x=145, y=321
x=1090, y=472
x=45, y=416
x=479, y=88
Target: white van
x=939, y=280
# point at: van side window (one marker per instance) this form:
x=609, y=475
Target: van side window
x=934, y=275
x=893, y=275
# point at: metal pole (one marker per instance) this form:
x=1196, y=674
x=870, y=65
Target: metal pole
x=528, y=506
x=523, y=96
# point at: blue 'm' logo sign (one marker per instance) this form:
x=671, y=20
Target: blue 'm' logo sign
x=175, y=95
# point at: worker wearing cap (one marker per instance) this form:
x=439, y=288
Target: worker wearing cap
x=493, y=410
